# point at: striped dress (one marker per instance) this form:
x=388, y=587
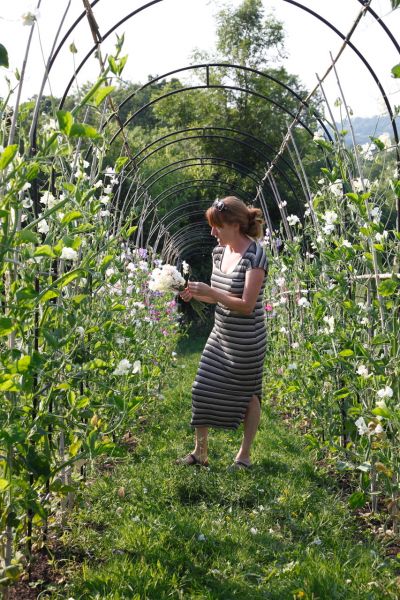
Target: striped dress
x=231, y=366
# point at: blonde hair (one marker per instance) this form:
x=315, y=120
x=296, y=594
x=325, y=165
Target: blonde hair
x=232, y=210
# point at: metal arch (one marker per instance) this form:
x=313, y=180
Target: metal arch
x=279, y=170
x=239, y=168
x=298, y=5
x=232, y=166
x=184, y=185
x=181, y=208
x=190, y=213
x=177, y=238
x=216, y=87
x=212, y=137
x=360, y=56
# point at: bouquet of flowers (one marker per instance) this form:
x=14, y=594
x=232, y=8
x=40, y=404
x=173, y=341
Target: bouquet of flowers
x=167, y=278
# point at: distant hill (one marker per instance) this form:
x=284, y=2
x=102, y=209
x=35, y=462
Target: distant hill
x=369, y=126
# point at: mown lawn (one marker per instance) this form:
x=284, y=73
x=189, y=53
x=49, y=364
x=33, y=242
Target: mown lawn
x=153, y=530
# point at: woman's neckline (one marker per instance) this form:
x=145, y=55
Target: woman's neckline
x=236, y=264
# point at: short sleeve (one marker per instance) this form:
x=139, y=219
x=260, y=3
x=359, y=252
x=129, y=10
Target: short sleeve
x=257, y=259
x=216, y=255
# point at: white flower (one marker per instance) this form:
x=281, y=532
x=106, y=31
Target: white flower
x=295, y=345
x=363, y=371
x=331, y=323
x=28, y=18
x=282, y=204
x=336, y=188
x=123, y=367
x=253, y=531
x=378, y=429
x=280, y=281
x=375, y=213
x=330, y=216
x=328, y=228
x=303, y=302
x=386, y=140
x=316, y=541
x=283, y=330
x=364, y=321
x=136, y=367
x=361, y=426
x=292, y=366
x=105, y=213
x=385, y=392
x=108, y=189
x=69, y=254
x=143, y=266
x=27, y=202
x=201, y=537
x=26, y=186
x=80, y=330
x=381, y=237
x=110, y=271
x=109, y=172
x=293, y=220
x=361, y=185
x=48, y=200
x=98, y=184
x=43, y=226
x=347, y=244
x=318, y=135
x=381, y=404
x=185, y=267
x=367, y=151
x=165, y=279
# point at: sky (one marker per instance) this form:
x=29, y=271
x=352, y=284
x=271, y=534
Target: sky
x=163, y=37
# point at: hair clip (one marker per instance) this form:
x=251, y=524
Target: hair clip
x=219, y=205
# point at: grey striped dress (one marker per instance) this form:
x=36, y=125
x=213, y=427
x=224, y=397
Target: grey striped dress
x=231, y=366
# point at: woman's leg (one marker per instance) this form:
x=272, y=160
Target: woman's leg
x=201, y=447
x=251, y=422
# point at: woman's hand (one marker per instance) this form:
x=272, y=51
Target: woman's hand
x=186, y=295
x=200, y=289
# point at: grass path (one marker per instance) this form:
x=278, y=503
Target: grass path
x=152, y=530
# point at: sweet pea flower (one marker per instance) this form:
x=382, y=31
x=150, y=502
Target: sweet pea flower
x=385, y=392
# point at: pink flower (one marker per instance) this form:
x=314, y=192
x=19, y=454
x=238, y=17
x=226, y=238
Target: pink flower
x=269, y=307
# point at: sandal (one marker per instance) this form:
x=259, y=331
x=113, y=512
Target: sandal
x=238, y=464
x=191, y=460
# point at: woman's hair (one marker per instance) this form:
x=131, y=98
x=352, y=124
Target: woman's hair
x=232, y=210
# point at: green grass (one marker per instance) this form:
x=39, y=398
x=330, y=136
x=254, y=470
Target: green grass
x=280, y=531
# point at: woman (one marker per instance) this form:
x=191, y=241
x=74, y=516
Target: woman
x=228, y=385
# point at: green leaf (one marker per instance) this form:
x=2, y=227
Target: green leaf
x=83, y=130
x=107, y=259
x=3, y=484
x=65, y=121
x=23, y=363
x=395, y=4
x=396, y=71
x=113, y=65
x=382, y=412
x=3, y=57
x=387, y=287
x=71, y=216
x=37, y=464
x=118, y=307
x=357, y=500
x=130, y=231
x=6, y=326
x=26, y=236
x=102, y=93
x=378, y=143
x=120, y=162
x=49, y=295
x=346, y=352
x=44, y=251
x=26, y=293
x=7, y=155
x=68, y=277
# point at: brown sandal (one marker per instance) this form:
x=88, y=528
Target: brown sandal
x=191, y=460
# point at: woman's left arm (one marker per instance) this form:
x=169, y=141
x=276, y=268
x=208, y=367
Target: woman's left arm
x=245, y=304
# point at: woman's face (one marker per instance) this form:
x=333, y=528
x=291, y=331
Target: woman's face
x=225, y=233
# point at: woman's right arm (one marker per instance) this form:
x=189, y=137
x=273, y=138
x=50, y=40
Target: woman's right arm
x=186, y=295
